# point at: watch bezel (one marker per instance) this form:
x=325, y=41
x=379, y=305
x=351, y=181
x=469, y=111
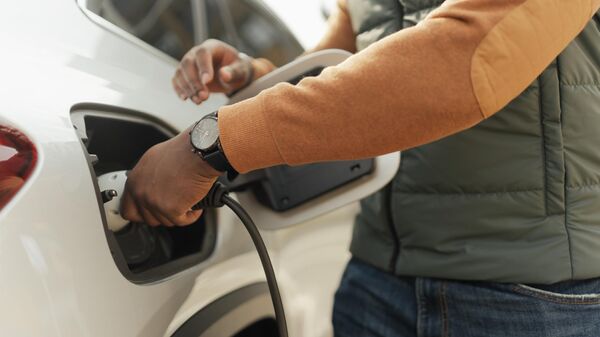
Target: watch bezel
x=214, y=145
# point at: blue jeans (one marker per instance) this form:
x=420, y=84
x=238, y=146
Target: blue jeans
x=370, y=302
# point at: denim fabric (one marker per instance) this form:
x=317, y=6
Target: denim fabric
x=371, y=302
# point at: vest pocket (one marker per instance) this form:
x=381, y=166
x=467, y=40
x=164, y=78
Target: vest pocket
x=552, y=140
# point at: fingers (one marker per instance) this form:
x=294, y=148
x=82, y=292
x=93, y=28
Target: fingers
x=204, y=64
x=193, y=73
x=234, y=75
x=132, y=210
x=166, y=183
x=129, y=210
x=155, y=218
x=213, y=66
x=180, y=85
x=141, y=211
x=140, y=214
x=162, y=220
x=149, y=218
x=189, y=217
x=162, y=216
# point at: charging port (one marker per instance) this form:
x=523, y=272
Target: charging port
x=115, y=141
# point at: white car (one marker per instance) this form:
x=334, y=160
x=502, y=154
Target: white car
x=83, y=97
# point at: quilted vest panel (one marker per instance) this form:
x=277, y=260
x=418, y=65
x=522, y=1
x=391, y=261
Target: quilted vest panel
x=515, y=198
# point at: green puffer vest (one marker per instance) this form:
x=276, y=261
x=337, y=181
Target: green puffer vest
x=513, y=199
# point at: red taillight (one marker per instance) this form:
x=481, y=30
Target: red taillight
x=17, y=160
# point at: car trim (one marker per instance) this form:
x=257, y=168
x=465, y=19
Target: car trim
x=201, y=321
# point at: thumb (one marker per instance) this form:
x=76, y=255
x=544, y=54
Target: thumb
x=188, y=217
x=235, y=72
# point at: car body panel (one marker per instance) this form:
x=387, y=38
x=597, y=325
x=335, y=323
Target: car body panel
x=57, y=274
x=57, y=270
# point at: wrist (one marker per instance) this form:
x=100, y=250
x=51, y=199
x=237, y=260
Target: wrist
x=210, y=171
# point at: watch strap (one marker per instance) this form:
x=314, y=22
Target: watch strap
x=219, y=162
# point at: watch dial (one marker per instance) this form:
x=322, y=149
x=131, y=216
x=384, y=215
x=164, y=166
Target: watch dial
x=205, y=134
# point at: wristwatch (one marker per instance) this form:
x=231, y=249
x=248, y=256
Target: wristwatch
x=204, y=138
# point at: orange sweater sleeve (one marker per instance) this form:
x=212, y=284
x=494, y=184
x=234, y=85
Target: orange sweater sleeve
x=463, y=63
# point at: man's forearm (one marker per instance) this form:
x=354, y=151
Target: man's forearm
x=462, y=64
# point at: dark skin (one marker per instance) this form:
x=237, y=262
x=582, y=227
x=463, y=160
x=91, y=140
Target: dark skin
x=170, y=179
x=195, y=76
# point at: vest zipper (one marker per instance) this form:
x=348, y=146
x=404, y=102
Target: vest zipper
x=392, y=227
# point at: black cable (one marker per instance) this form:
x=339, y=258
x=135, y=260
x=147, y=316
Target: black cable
x=261, y=249
x=217, y=197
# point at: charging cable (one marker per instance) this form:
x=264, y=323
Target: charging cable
x=111, y=185
x=219, y=197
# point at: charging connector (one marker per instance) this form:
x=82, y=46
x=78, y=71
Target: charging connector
x=218, y=197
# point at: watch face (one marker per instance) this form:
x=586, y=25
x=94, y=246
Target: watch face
x=205, y=134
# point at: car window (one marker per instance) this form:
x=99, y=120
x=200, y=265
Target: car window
x=216, y=27
x=167, y=25
x=252, y=29
x=175, y=26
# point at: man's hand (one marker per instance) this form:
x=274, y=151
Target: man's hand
x=213, y=66
x=167, y=181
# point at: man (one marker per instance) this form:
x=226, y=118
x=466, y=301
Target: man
x=492, y=225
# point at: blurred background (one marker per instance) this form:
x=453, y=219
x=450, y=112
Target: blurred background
x=278, y=30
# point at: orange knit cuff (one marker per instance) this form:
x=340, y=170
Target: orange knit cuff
x=245, y=134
